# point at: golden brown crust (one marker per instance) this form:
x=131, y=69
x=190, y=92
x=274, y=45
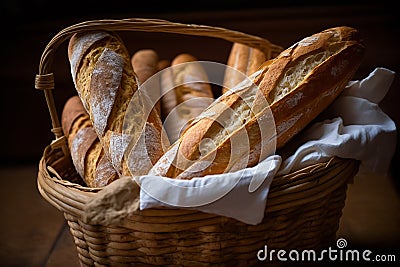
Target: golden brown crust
x=299, y=84
x=86, y=151
x=73, y=109
x=186, y=78
x=188, y=98
x=105, y=81
x=163, y=63
x=245, y=60
x=145, y=65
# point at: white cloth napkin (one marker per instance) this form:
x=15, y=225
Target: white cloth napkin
x=352, y=127
x=239, y=195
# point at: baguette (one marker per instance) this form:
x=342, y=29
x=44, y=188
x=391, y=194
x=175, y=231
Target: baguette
x=163, y=64
x=87, y=154
x=106, y=84
x=243, y=60
x=145, y=65
x=298, y=85
x=184, y=97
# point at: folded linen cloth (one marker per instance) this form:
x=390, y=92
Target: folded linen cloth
x=239, y=195
x=352, y=127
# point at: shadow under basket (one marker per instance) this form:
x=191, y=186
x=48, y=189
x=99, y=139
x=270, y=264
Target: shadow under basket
x=303, y=212
x=303, y=208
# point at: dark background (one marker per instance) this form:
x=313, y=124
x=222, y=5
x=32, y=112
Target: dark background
x=27, y=27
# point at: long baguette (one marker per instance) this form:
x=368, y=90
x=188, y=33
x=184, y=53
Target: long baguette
x=299, y=84
x=105, y=81
x=184, y=97
x=242, y=60
x=145, y=65
x=86, y=151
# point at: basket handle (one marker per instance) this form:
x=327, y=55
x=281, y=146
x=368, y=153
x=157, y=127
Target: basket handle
x=45, y=79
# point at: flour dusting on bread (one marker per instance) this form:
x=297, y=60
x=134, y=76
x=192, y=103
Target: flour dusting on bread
x=79, y=49
x=106, y=77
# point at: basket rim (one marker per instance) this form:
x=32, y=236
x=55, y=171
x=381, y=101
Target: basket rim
x=71, y=198
x=311, y=188
x=286, y=191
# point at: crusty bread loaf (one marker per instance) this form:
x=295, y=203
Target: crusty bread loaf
x=242, y=60
x=162, y=64
x=86, y=151
x=184, y=97
x=106, y=83
x=299, y=84
x=145, y=65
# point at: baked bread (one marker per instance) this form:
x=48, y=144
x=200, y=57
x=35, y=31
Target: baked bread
x=165, y=82
x=163, y=64
x=129, y=130
x=242, y=60
x=183, y=96
x=145, y=65
x=298, y=85
x=86, y=151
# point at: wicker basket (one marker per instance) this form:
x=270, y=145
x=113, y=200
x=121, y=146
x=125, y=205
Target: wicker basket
x=303, y=208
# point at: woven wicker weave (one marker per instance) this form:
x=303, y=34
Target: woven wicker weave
x=303, y=208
